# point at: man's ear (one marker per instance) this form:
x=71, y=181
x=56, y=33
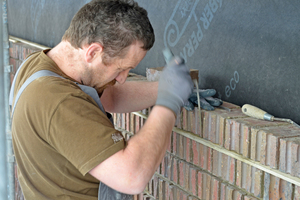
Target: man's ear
x=92, y=51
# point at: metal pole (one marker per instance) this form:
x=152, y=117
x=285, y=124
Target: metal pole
x=3, y=189
x=7, y=70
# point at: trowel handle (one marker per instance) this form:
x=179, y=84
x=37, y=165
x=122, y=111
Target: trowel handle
x=255, y=112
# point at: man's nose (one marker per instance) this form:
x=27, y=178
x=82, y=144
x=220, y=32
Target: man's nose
x=121, y=78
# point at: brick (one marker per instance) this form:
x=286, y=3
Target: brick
x=195, y=153
x=207, y=186
x=222, y=191
x=217, y=163
x=181, y=167
x=193, y=181
x=185, y=123
x=161, y=189
x=245, y=141
x=297, y=193
x=274, y=184
x=180, y=146
x=186, y=176
x=192, y=121
x=209, y=126
x=174, y=170
x=200, y=184
x=289, y=156
x=168, y=166
x=285, y=190
x=199, y=122
x=228, y=169
x=215, y=189
x=246, y=177
x=163, y=166
x=174, y=142
x=137, y=124
x=239, y=173
x=188, y=149
x=256, y=182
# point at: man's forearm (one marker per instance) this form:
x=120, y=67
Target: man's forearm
x=130, y=170
x=129, y=97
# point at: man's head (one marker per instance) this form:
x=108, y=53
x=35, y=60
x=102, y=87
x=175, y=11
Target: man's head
x=114, y=24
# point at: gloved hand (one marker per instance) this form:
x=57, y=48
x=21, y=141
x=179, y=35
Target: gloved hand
x=175, y=85
x=207, y=102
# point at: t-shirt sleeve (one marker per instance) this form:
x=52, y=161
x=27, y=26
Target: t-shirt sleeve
x=83, y=134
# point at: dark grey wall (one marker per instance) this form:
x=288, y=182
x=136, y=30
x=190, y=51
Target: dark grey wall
x=248, y=50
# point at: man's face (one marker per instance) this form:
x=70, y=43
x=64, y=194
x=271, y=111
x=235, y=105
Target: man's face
x=104, y=76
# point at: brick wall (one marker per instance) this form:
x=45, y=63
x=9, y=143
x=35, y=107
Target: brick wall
x=231, y=156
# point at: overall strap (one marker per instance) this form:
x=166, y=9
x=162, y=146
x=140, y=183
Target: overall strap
x=88, y=90
x=11, y=94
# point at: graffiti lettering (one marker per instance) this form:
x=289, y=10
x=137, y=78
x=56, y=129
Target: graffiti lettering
x=232, y=84
x=194, y=40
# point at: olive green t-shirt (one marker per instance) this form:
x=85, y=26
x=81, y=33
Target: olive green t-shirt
x=59, y=135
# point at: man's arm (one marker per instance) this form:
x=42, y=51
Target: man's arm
x=129, y=97
x=129, y=170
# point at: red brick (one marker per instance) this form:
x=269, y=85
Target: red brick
x=223, y=191
x=199, y=120
x=297, y=193
x=231, y=170
x=180, y=146
x=188, y=149
x=207, y=124
x=207, y=186
x=192, y=122
x=161, y=189
x=246, y=177
x=174, y=177
x=137, y=124
x=168, y=166
x=274, y=187
x=245, y=139
x=185, y=123
x=257, y=179
x=215, y=189
x=195, y=152
x=193, y=181
x=200, y=184
x=163, y=166
x=203, y=154
x=239, y=174
x=186, y=176
x=285, y=189
x=217, y=163
x=174, y=143
x=181, y=166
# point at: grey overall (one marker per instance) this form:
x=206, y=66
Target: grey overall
x=105, y=192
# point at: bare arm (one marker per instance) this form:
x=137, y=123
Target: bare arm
x=129, y=170
x=130, y=96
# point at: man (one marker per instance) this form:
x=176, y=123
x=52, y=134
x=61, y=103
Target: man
x=64, y=143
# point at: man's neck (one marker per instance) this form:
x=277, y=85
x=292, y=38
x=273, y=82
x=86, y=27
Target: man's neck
x=66, y=58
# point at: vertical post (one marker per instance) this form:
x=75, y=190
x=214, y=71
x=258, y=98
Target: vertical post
x=3, y=177
x=7, y=69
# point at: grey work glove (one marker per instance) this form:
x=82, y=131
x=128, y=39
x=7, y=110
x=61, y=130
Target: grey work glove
x=175, y=85
x=207, y=102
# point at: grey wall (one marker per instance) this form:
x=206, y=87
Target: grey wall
x=248, y=50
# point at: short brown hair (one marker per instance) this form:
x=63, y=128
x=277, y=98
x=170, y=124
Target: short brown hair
x=115, y=24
